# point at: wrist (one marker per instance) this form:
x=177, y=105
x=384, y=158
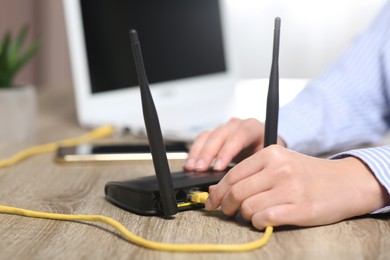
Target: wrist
x=370, y=193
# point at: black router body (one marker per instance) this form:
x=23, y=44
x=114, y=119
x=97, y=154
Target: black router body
x=142, y=195
x=157, y=194
x=161, y=193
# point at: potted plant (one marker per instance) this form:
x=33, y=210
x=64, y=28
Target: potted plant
x=17, y=101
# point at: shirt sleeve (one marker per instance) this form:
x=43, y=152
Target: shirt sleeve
x=378, y=160
x=349, y=104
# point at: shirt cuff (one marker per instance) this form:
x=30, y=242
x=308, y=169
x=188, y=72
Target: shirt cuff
x=378, y=160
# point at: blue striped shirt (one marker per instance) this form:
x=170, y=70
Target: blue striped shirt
x=349, y=105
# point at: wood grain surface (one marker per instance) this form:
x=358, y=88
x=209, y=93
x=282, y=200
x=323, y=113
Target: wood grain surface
x=39, y=183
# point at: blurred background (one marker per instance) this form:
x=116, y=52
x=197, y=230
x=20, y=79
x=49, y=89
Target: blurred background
x=314, y=34
x=50, y=67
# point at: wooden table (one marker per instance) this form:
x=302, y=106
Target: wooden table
x=39, y=183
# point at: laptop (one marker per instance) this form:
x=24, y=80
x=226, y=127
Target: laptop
x=189, y=62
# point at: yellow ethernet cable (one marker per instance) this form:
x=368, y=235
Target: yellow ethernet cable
x=194, y=198
x=100, y=132
x=199, y=196
x=131, y=237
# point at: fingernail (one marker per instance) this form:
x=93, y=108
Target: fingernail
x=218, y=165
x=190, y=163
x=199, y=164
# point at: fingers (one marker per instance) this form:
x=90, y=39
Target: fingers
x=274, y=216
x=195, y=150
x=249, y=134
x=207, y=146
x=248, y=194
x=223, y=144
x=271, y=209
x=285, y=214
x=250, y=166
x=267, y=190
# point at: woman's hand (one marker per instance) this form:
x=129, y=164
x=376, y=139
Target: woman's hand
x=231, y=142
x=277, y=186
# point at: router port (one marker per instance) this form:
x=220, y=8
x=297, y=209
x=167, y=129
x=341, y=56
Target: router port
x=181, y=196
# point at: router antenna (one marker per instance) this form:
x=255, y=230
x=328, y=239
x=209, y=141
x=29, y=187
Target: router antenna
x=271, y=119
x=153, y=130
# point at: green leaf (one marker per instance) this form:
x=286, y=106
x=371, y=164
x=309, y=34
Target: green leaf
x=6, y=82
x=12, y=58
x=6, y=79
x=26, y=56
x=15, y=48
x=4, y=53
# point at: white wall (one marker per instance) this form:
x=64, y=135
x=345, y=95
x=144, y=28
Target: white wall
x=314, y=33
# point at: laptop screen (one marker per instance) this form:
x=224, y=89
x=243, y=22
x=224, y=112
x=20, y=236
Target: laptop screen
x=180, y=39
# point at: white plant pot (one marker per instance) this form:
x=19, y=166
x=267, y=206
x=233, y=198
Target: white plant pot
x=18, y=109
